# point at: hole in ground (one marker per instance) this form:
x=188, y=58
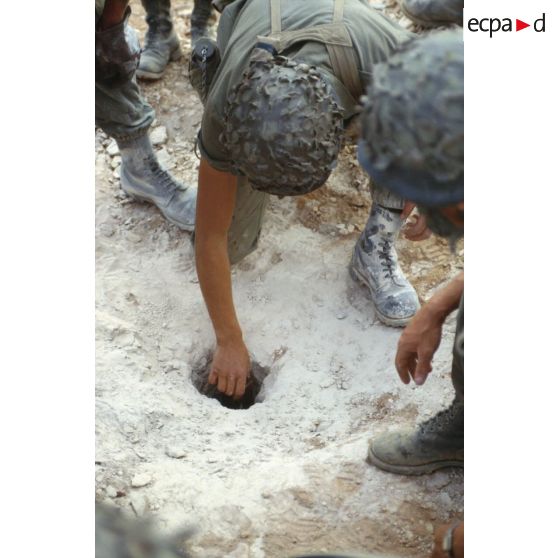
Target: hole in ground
x=200, y=374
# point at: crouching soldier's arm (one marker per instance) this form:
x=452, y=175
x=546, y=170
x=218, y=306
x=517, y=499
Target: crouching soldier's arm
x=215, y=206
x=113, y=13
x=421, y=338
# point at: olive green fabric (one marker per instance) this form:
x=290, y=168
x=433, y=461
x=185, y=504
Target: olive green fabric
x=120, y=110
x=374, y=37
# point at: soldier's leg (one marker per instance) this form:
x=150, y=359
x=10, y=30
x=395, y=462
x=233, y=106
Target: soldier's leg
x=375, y=264
x=200, y=18
x=161, y=41
x=247, y=221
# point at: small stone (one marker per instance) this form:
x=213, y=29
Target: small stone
x=106, y=229
x=115, y=162
x=111, y=492
x=351, y=228
x=159, y=136
x=133, y=237
x=116, y=172
x=341, y=315
x=175, y=453
x=112, y=148
x=138, y=504
x=141, y=479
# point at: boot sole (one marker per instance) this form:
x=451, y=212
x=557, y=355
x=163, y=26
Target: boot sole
x=181, y=226
x=386, y=320
x=429, y=24
x=415, y=470
x=175, y=55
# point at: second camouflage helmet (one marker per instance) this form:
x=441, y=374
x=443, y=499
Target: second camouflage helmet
x=283, y=128
x=412, y=123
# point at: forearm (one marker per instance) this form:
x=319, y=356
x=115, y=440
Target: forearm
x=113, y=13
x=445, y=301
x=214, y=274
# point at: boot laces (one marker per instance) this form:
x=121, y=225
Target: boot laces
x=386, y=260
x=165, y=179
x=441, y=421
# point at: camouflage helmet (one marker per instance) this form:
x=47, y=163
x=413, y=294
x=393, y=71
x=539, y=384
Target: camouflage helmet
x=412, y=122
x=282, y=127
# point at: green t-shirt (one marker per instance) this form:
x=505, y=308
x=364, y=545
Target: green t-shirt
x=373, y=34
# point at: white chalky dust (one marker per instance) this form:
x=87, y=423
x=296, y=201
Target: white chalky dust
x=287, y=475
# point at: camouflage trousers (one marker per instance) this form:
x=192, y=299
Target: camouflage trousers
x=249, y=211
x=120, y=110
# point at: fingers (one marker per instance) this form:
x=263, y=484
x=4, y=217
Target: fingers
x=417, y=229
x=407, y=210
x=403, y=365
x=222, y=383
x=240, y=387
x=231, y=383
x=212, y=377
x=424, y=367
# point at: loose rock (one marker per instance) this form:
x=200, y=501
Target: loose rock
x=159, y=135
x=140, y=480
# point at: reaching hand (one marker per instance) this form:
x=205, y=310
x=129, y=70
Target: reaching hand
x=417, y=345
x=415, y=228
x=230, y=369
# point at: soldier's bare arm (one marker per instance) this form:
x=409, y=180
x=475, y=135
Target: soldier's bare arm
x=421, y=338
x=113, y=13
x=215, y=206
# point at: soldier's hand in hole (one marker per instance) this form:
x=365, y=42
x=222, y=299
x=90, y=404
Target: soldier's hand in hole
x=415, y=228
x=230, y=369
x=417, y=345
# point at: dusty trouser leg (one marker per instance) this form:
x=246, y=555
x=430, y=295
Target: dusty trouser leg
x=246, y=225
x=200, y=18
x=121, y=111
x=375, y=264
x=161, y=41
x=437, y=442
x=123, y=114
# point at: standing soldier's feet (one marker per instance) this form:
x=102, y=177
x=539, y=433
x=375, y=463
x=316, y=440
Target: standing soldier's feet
x=161, y=41
x=435, y=444
x=432, y=13
x=375, y=265
x=143, y=178
x=199, y=20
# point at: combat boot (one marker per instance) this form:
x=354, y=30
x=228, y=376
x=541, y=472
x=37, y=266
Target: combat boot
x=200, y=19
x=435, y=444
x=161, y=41
x=143, y=178
x=375, y=265
x=432, y=13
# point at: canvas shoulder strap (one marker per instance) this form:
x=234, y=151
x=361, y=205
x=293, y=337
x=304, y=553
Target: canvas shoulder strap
x=343, y=58
x=334, y=36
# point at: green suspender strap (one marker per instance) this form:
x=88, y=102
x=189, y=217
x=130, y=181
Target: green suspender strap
x=335, y=36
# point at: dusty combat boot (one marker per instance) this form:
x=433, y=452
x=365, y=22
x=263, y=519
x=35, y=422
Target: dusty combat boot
x=161, y=42
x=199, y=20
x=435, y=444
x=375, y=265
x=143, y=178
x=432, y=13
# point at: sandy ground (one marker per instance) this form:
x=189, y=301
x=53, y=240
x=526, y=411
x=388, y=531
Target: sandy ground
x=288, y=474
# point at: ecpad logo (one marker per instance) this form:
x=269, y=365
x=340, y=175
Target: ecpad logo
x=494, y=25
